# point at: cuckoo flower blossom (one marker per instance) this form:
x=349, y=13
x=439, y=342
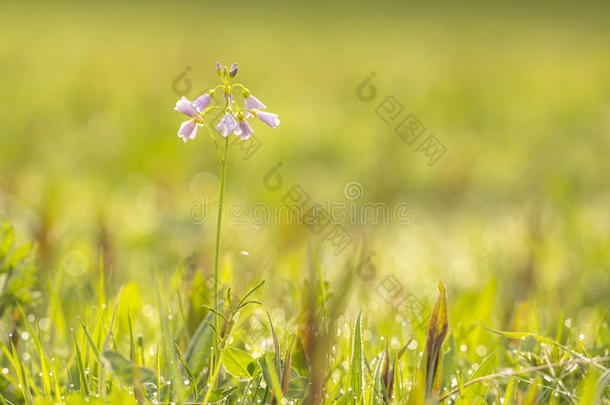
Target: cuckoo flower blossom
x=202, y=102
x=185, y=107
x=246, y=129
x=268, y=118
x=252, y=102
x=188, y=129
x=235, y=116
x=227, y=125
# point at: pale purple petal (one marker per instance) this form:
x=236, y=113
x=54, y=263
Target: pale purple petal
x=202, y=102
x=234, y=125
x=185, y=107
x=246, y=129
x=268, y=118
x=252, y=102
x=233, y=70
x=218, y=66
x=227, y=125
x=187, y=130
x=222, y=126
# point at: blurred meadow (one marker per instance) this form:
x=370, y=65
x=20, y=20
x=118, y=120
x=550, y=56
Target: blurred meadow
x=513, y=219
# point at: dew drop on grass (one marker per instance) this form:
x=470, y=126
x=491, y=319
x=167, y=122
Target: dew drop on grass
x=481, y=350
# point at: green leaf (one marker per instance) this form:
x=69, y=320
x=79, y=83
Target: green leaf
x=276, y=344
x=542, y=339
x=247, y=294
x=270, y=375
x=377, y=395
x=81, y=368
x=437, y=330
x=475, y=393
x=127, y=371
x=297, y=388
x=253, y=368
x=356, y=374
x=198, y=352
x=220, y=394
x=236, y=361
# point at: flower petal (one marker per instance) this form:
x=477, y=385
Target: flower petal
x=234, y=125
x=185, y=107
x=188, y=130
x=246, y=129
x=268, y=118
x=202, y=102
x=227, y=125
x=252, y=102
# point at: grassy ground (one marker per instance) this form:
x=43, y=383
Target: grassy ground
x=109, y=302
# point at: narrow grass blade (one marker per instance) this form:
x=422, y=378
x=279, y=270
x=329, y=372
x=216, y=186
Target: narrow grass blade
x=437, y=330
x=81, y=368
x=356, y=373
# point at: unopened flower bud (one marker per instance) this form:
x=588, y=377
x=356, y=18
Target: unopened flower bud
x=233, y=70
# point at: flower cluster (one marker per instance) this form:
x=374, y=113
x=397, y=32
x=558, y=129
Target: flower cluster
x=235, y=119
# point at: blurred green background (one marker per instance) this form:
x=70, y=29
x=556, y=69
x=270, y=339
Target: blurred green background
x=519, y=94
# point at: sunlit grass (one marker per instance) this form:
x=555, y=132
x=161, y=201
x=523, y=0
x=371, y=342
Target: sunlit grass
x=513, y=219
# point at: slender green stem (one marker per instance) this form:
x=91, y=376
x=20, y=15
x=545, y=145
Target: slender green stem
x=215, y=366
x=223, y=174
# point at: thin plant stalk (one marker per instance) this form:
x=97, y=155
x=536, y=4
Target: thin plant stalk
x=223, y=174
